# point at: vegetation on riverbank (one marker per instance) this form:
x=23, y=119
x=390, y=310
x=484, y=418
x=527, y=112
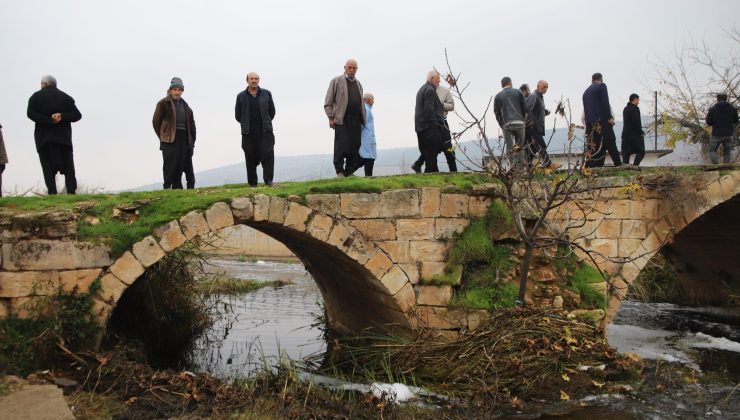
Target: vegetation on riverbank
x=232, y=286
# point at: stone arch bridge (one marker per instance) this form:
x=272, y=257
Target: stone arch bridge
x=369, y=251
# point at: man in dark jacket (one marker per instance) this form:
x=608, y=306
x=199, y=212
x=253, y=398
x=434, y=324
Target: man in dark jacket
x=510, y=109
x=722, y=117
x=633, y=136
x=429, y=121
x=535, y=127
x=54, y=111
x=255, y=111
x=599, y=121
x=174, y=124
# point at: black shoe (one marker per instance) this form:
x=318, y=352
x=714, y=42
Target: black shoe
x=416, y=168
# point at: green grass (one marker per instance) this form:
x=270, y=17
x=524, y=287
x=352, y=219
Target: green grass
x=449, y=277
x=164, y=206
x=493, y=297
x=583, y=277
x=232, y=286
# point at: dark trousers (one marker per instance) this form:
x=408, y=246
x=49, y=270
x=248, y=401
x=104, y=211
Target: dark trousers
x=259, y=149
x=189, y=173
x=536, y=147
x=633, y=146
x=174, y=157
x=368, y=165
x=58, y=158
x=2, y=169
x=449, y=156
x=347, y=145
x=600, y=139
x=430, y=144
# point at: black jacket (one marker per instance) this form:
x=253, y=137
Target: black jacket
x=267, y=109
x=632, y=128
x=428, y=112
x=596, y=103
x=536, y=111
x=722, y=117
x=509, y=105
x=41, y=106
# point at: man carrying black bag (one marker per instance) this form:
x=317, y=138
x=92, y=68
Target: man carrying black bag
x=429, y=122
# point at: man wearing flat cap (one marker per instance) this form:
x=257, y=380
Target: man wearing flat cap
x=174, y=125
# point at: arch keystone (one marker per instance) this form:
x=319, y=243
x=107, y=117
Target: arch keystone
x=193, y=224
x=297, y=216
x=243, y=209
x=170, y=236
x=127, y=268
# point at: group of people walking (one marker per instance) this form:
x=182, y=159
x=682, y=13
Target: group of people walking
x=519, y=112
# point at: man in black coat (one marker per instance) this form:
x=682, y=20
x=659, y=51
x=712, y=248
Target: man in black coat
x=599, y=121
x=255, y=111
x=54, y=111
x=429, y=121
x=633, y=136
x=722, y=117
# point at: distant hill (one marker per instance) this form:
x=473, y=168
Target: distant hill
x=390, y=162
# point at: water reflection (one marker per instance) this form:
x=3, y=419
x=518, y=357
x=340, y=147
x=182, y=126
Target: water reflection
x=260, y=325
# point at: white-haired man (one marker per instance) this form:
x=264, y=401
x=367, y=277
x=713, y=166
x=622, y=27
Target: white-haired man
x=346, y=112
x=448, y=104
x=368, y=148
x=429, y=121
x=255, y=111
x=54, y=111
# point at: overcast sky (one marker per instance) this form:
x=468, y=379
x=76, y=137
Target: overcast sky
x=116, y=60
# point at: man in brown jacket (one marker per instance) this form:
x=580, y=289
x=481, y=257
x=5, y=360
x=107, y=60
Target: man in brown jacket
x=3, y=159
x=174, y=125
x=346, y=112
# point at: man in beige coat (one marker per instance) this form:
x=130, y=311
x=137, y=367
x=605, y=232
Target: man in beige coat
x=346, y=112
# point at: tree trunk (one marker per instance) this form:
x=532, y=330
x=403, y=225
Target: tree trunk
x=524, y=273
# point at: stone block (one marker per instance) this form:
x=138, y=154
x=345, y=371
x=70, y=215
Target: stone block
x=477, y=318
x=676, y=219
x=427, y=250
x=193, y=224
x=412, y=272
x=31, y=306
x=398, y=251
x=360, y=205
x=430, y=200
x=340, y=237
x=320, y=227
x=375, y=229
x=261, y=207
x=394, y=280
x=77, y=281
x=243, y=209
x=4, y=307
x=277, y=210
x=616, y=209
x=478, y=206
x=453, y=205
x=606, y=247
x=219, y=216
x=127, y=268
x=297, y=216
x=45, y=254
x=170, y=236
x=111, y=288
x=434, y=295
x=663, y=231
x=360, y=249
x=102, y=311
x=633, y=229
x=448, y=228
x=430, y=269
x=438, y=318
x=406, y=298
x=325, y=203
x=28, y=283
x=417, y=229
x=379, y=264
x=399, y=203
x=644, y=209
x=652, y=243
x=609, y=228
x=628, y=246
x=148, y=251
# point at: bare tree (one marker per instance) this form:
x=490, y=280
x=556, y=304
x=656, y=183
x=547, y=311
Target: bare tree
x=550, y=209
x=689, y=82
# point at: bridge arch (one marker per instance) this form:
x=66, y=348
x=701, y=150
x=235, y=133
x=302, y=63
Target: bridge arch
x=362, y=287
x=699, y=237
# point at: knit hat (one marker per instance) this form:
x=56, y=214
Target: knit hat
x=176, y=83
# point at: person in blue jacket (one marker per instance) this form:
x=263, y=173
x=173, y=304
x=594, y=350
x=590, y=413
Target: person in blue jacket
x=368, y=150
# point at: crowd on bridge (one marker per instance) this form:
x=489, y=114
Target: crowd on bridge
x=519, y=112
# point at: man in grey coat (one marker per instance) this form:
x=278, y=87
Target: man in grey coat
x=510, y=109
x=535, y=127
x=346, y=112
